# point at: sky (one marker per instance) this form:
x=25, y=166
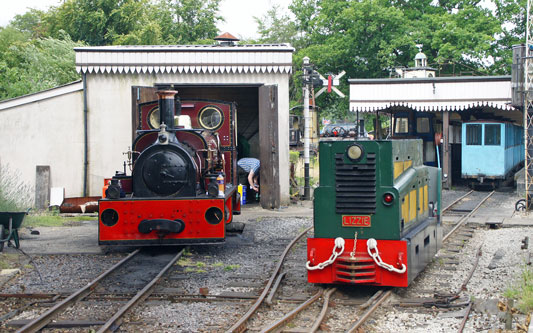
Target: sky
x=238, y=13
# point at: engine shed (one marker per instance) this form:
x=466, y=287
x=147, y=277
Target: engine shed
x=85, y=127
x=117, y=79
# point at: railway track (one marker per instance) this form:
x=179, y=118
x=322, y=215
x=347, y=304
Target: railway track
x=127, y=265
x=272, y=313
x=206, y=277
x=456, y=234
x=455, y=238
x=244, y=287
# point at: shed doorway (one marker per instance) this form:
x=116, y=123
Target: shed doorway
x=257, y=124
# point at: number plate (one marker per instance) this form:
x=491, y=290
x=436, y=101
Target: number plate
x=356, y=221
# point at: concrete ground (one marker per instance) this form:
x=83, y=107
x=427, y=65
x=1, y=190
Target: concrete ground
x=83, y=237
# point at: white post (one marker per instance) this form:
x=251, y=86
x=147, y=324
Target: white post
x=307, y=122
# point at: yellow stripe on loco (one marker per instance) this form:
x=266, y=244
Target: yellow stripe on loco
x=398, y=169
x=412, y=205
x=405, y=209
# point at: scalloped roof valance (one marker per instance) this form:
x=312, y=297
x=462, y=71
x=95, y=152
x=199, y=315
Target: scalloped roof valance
x=431, y=94
x=275, y=58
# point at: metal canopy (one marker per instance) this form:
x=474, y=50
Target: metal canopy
x=455, y=94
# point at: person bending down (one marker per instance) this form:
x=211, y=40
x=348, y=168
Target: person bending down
x=250, y=166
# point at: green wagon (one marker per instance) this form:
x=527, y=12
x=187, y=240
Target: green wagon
x=10, y=222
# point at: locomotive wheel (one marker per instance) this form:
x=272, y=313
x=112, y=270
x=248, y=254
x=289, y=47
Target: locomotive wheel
x=520, y=205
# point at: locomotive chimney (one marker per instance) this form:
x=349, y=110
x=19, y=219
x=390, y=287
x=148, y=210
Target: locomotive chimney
x=166, y=107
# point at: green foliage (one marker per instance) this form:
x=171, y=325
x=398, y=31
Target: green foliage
x=523, y=291
x=52, y=218
x=134, y=22
x=96, y=22
x=294, y=156
x=368, y=38
x=276, y=27
x=30, y=23
x=9, y=260
x=36, y=48
x=15, y=195
x=186, y=21
x=229, y=268
x=31, y=65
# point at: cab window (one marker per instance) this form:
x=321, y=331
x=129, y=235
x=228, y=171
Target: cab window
x=401, y=125
x=473, y=135
x=422, y=125
x=492, y=135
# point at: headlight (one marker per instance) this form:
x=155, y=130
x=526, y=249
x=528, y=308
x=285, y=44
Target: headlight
x=355, y=152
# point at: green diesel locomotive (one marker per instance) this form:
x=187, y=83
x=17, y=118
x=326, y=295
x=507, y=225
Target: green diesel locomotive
x=376, y=213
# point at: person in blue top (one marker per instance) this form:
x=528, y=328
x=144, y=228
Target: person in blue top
x=250, y=166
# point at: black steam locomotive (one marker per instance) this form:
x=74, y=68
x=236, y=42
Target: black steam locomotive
x=182, y=186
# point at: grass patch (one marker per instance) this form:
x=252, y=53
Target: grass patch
x=231, y=267
x=194, y=270
x=184, y=262
x=52, y=219
x=8, y=260
x=522, y=291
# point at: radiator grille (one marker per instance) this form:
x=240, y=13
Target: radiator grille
x=355, y=186
x=360, y=270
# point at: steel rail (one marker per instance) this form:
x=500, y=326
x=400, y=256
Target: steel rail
x=240, y=325
x=116, y=320
x=293, y=313
x=369, y=312
x=41, y=321
x=465, y=318
x=275, y=288
x=370, y=300
x=464, y=218
x=456, y=201
x=324, y=310
x=478, y=255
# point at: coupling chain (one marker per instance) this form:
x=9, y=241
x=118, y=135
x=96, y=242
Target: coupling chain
x=352, y=254
x=372, y=244
x=339, y=244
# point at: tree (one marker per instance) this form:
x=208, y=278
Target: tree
x=512, y=15
x=368, y=38
x=186, y=21
x=276, y=27
x=28, y=66
x=97, y=22
x=31, y=22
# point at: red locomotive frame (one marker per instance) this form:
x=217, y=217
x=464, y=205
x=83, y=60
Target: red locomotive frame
x=362, y=269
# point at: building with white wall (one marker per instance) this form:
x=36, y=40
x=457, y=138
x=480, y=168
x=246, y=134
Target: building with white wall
x=82, y=132
x=45, y=128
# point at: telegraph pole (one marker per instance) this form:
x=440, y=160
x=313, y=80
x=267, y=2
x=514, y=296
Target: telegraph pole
x=307, y=70
x=310, y=80
x=528, y=108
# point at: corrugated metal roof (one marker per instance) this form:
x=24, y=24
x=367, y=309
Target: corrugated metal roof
x=431, y=94
x=275, y=58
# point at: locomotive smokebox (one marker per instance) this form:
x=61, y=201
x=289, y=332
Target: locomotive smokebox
x=167, y=106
